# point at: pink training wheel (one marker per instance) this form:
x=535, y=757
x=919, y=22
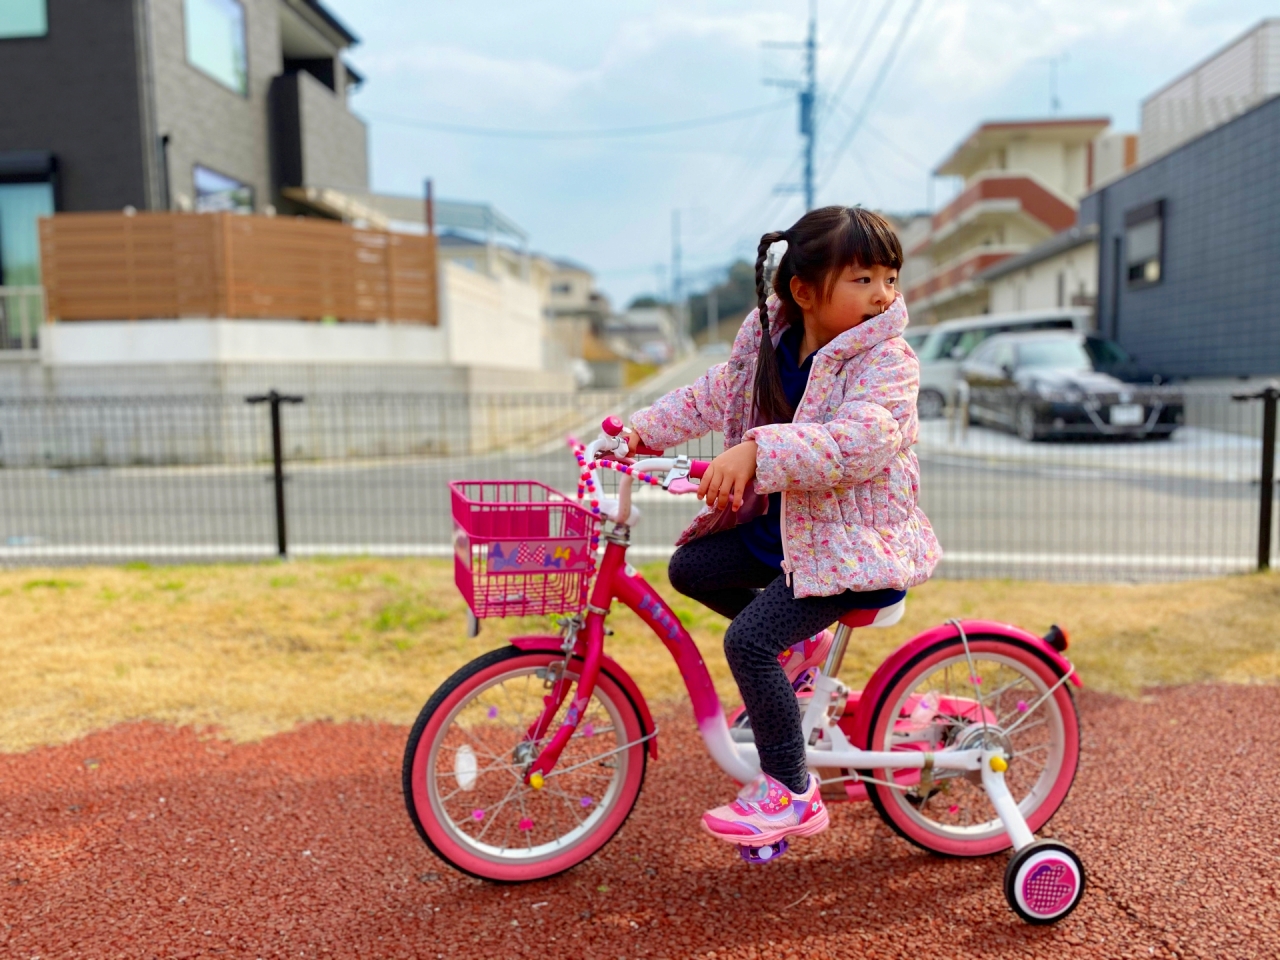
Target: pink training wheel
x=1044, y=882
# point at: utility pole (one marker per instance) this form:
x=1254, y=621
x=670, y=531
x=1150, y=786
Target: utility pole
x=807, y=98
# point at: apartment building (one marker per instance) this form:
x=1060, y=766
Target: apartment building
x=203, y=105
x=1224, y=85
x=1205, y=202
x=1023, y=181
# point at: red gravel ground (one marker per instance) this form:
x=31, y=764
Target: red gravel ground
x=146, y=841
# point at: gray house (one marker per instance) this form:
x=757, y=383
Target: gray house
x=1189, y=253
x=171, y=104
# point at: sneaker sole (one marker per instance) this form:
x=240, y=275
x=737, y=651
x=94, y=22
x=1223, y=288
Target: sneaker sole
x=806, y=829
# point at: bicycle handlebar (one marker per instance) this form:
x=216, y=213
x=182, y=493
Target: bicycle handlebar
x=682, y=473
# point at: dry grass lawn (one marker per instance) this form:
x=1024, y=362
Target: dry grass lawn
x=254, y=649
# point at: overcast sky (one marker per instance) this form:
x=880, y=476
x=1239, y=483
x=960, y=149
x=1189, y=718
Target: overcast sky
x=587, y=65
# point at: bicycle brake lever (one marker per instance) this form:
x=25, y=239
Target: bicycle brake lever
x=679, y=471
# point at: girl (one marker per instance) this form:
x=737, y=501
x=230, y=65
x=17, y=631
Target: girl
x=817, y=404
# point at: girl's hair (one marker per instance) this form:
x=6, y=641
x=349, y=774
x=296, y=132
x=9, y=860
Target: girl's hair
x=819, y=246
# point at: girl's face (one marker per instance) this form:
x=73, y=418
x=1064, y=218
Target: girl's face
x=858, y=294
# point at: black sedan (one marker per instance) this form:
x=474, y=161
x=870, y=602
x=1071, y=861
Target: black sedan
x=1049, y=385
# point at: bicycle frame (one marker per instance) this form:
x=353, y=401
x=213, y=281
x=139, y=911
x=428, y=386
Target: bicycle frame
x=618, y=580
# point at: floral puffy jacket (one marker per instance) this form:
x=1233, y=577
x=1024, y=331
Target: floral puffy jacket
x=849, y=479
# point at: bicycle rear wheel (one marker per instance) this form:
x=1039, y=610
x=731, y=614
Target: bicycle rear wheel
x=464, y=765
x=935, y=702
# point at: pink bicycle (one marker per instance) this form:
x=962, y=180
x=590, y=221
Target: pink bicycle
x=530, y=758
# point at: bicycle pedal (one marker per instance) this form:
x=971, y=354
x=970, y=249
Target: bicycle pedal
x=764, y=854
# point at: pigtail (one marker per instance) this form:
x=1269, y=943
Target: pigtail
x=770, y=397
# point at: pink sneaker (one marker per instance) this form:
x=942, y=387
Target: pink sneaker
x=803, y=660
x=766, y=812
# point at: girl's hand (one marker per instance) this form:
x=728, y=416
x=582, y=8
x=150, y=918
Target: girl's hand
x=725, y=482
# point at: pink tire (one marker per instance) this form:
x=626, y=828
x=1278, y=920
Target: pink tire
x=931, y=704
x=464, y=762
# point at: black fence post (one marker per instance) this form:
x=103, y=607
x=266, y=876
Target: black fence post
x=275, y=398
x=1268, y=395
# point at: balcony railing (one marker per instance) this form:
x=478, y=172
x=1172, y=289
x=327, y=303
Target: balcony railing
x=108, y=266
x=1033, y=199
x=956, y=273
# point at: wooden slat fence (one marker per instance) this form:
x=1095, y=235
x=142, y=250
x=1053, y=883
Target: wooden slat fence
x=115, y=266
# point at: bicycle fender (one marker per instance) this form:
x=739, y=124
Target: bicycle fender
x=904, y=654
x=555, y=644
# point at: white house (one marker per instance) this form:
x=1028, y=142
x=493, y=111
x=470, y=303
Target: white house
x=1061, y=272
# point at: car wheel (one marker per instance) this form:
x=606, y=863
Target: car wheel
x=1026, y=421
x=931, y=405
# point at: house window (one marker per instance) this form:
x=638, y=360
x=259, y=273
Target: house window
x=21, y=206
x=23, y=18
x=215, y=41
x=217, y=193
x=1144, y=244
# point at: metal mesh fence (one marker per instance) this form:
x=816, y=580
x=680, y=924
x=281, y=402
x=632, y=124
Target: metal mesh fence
x=1086, y=500
x=177, y=478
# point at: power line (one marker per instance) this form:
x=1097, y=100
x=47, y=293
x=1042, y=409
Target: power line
x=885, y=66
x=859, y=57
x=604, y=132
x=909, y=157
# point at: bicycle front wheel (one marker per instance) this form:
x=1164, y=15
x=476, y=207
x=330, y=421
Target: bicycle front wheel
x=465, y=762
x=1000, y=693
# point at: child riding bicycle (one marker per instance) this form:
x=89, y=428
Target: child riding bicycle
x=817, y=404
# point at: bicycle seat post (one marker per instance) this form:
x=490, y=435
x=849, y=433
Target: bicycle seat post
x=835, y=656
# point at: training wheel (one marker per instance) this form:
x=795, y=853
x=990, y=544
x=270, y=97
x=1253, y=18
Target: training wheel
x=763, y=854
x=1044, y=881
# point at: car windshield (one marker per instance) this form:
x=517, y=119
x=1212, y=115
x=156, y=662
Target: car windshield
x=916, y=338
x=1058, y=354
x=1106, y=353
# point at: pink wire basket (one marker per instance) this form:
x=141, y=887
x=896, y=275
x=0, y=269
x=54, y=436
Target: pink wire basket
x=521, y=548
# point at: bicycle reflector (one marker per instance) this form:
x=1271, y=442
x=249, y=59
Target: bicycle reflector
x=1057, y=638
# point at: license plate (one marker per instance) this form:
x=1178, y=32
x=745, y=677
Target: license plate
x=1126, y=415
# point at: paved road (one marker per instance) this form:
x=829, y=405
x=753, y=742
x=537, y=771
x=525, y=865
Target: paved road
x=996, y=515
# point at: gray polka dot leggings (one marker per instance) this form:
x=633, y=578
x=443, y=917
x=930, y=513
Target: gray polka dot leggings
x=721, y=573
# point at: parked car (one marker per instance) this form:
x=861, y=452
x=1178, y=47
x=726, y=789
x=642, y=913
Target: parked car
x=944, y=346
x=916, y=338
x=1048, y=384
x=1109, y=357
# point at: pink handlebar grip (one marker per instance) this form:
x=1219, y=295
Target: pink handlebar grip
x=612, y=426
x=697, y=468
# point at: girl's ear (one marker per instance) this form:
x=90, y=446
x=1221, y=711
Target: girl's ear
x=802, y=294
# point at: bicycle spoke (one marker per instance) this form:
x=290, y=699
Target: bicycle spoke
x=493, y=812
x=524, y=816
x=571, y=802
